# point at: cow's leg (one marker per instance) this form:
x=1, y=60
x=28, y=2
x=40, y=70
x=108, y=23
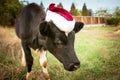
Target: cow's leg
x=43, y=63
x=28, y=58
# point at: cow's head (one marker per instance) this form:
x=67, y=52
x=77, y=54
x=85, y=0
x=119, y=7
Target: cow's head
x=60, y=28
x=60, y=44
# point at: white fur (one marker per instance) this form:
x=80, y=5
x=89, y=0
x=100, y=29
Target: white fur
x=23, y=58
x=60, y=22
x=42, y=60
x=42, y=57
x=27, y=76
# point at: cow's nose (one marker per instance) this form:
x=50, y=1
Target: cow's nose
x=74, y=66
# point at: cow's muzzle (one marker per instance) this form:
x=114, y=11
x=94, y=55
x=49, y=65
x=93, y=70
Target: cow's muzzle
x=73, y=66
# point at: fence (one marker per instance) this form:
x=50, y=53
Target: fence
x=90, y=20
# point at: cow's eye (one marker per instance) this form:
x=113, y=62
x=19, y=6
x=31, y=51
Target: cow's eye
x=58, y=43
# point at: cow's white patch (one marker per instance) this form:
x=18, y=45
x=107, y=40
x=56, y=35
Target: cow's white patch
x=23, y=57
x=27, y=75
x=66, y=34
x=43, y=61
x=60, y=22
x=36, y=51
x=42, y=57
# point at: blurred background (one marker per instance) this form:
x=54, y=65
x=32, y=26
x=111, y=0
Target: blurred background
x=87, y=11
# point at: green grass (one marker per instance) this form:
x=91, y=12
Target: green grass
x=98, y=49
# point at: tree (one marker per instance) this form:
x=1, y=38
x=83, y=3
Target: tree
x=114, y=18
x=41, y=4
x=24, y=2
x=74, y=11
x=103, y=13
x=85, y=11
x=60, y=5
x=90, y=12
x=116, y=13
x=8, y=11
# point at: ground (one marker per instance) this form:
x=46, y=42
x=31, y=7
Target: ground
x=98, y=49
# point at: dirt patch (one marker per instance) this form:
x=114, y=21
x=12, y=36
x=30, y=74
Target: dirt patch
x=117, y=30
x=115, y=34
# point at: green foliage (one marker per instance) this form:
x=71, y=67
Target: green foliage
x=74, y=11
x=115, y=18
x=103, y=13
x=85, y=11
x=24, y=2
x=113, y=21
x=60, y=5
x=41, y=4
x=8, y=11
x=116, y=13
x=90, y=12
x=111, y=18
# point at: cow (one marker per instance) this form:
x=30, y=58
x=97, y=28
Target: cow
x=38, y=33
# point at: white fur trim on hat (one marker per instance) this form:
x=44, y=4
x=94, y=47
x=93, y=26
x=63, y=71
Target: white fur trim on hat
x=62, y=23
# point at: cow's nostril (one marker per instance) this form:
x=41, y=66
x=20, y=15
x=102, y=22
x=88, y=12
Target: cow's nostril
x=74, y=66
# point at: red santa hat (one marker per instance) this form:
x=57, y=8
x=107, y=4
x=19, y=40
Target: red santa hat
x=61, y=18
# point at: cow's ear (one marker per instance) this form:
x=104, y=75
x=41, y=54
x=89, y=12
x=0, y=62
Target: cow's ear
x=78, y=26
x=44, y=28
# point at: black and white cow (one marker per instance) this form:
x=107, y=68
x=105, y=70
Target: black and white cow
x=51, y=32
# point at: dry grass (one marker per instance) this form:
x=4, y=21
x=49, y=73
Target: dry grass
x=9, y=72
x=10, y=58
x=9, y=43
x=9, y=54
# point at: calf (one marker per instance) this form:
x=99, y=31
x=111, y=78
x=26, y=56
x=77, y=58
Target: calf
x=39, y=30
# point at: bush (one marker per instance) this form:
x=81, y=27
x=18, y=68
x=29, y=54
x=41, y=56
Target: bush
x=8, y=11
x=113, y=21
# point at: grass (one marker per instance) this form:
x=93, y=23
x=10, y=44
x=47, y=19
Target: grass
x=98, y=49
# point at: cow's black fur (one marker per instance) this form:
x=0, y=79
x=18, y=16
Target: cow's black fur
x=36, y=33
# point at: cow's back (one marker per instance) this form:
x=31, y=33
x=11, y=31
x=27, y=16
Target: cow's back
x=28, y=21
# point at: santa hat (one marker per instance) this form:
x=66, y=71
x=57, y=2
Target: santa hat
x=61, y=18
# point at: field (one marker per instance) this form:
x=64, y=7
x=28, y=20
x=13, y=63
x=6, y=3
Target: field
x=98, y=49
